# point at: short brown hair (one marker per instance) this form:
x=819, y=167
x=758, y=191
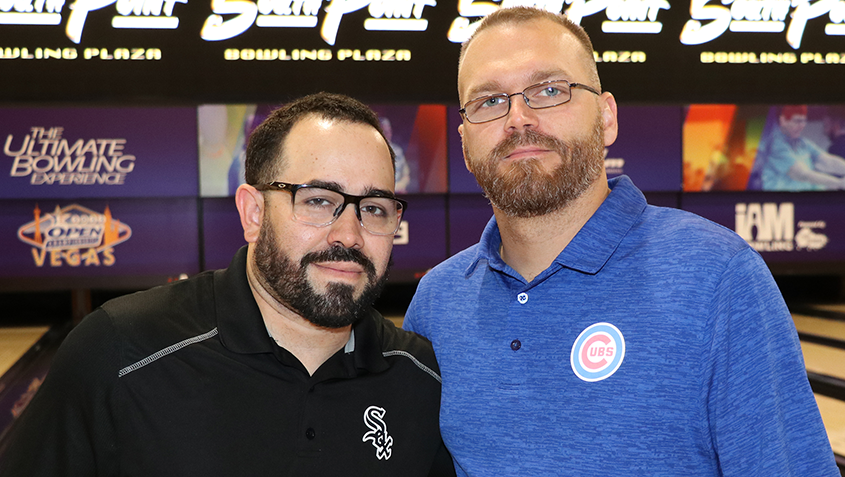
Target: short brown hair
x=264, y=151
x=517, y=15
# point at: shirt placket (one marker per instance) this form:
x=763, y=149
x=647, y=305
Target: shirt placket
x=515, y=345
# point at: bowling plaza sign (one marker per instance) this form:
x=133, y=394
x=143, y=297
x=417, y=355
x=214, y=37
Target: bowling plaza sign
x=210, y=49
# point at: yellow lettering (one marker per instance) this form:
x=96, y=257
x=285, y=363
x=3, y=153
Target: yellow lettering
x=91, y=257
x=108, y=257
x=39, y=254
x=72, y=258
x=55, y=258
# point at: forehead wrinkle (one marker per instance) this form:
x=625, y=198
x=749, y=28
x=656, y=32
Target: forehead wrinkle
x=548, y=75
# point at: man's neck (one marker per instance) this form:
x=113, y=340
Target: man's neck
x=312, y=345
x=530, y=245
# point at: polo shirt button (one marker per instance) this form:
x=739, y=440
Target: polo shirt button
x=310, y=433
x=522, y=298
x=516, y=344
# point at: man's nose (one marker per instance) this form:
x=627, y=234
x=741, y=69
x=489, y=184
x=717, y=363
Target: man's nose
x=347, y=230
x=520, y=115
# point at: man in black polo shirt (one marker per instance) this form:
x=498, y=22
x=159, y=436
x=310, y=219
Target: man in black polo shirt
x=277, y=365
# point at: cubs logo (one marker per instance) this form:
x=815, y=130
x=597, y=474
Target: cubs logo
x=598, y=352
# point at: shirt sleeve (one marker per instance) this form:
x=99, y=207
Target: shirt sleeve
x=412, y=320
x=419, y=317
x=763, y=416
x=781, y=157
x=814, y=150
x=68, y=429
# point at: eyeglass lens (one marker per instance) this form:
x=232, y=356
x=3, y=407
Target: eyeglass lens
x=538, y=96
x=317, y=206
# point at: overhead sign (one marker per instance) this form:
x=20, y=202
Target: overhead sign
x=93, y=239
x=98, y=152
x=384, y=50
x=74, y=235
x=793, y=148
x=783, y=227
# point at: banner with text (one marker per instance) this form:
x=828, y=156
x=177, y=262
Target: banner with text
x=97, y=238
x=783, y=227
x=238, y=51
x=98, y=152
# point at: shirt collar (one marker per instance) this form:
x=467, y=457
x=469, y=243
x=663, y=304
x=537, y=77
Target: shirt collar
x=593, y=245
x=488, y=248
x=239, y=320
x=242, y=329
x=367, y=351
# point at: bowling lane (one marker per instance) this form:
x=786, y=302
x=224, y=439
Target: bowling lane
x=824, y=360
x=823, y=327
x=836, y=308
x=15, y=342
x=833, y=415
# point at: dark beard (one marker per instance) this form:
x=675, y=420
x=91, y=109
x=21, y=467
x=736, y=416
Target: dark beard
x=523, y=188
x=289, y=284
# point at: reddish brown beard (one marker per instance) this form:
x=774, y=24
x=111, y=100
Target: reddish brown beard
x=523, y=189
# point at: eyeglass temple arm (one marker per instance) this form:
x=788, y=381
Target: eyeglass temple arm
x=585, y=87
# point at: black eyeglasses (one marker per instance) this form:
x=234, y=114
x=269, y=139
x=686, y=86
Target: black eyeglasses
x=318, y=206
x=547, y=94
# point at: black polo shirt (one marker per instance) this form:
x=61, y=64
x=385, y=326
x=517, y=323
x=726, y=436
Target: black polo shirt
x=184, y=380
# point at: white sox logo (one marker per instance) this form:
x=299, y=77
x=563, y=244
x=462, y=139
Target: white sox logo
x=381, y=440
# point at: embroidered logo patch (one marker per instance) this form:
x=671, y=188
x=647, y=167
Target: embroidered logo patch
x=381, y=440
x=598, y=352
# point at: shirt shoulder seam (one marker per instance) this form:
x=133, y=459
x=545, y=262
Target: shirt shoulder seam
x=417, y=362
x=166, y=351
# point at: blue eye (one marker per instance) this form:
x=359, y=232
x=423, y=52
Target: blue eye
x=550, y=91
x=492, y=101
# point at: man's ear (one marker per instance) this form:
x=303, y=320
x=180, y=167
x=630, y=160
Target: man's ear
x=609, y=118
x=466, y=159
x=250, y=203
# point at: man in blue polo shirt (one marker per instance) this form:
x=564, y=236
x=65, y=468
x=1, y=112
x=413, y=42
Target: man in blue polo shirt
x=589, y=333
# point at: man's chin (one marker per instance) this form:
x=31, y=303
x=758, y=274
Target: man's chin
x=335, y=293
x=322, y=285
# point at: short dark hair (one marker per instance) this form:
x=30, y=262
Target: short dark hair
x=266, y=143
x=517, y=15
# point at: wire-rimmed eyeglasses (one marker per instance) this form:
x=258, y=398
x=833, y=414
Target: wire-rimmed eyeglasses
x=547, y=94
x=318, y=206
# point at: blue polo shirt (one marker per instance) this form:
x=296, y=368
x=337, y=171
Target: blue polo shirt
x=656, y=343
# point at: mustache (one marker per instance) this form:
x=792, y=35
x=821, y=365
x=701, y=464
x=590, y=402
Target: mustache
x=529, y=137
x=340, y=254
